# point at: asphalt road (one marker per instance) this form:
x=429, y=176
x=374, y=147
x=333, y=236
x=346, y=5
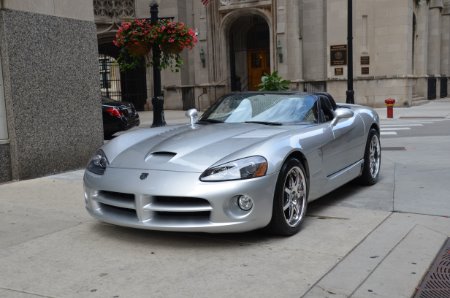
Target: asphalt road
x=416, y=127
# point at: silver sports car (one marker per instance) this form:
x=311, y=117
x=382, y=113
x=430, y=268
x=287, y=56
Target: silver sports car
x=252, y=160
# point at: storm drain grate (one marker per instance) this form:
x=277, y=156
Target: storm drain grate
x=436, y=283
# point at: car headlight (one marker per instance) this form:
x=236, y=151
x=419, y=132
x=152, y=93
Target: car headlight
x=98, y=163
x=246, y=168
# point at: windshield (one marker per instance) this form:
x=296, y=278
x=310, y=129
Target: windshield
x=262, y=108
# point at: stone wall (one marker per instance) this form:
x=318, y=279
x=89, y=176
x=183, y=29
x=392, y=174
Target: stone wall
x=5, y=162
x=50, y=74
x=373, y=91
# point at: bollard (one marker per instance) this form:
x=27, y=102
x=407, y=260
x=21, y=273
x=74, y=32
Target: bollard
x=390, y=107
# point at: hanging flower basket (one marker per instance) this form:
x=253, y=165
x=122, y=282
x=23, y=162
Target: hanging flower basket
x=137, y=37
x=171, y=48
x=134, y=34
x=138, y=50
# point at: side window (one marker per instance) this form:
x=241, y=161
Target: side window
x=326, y=109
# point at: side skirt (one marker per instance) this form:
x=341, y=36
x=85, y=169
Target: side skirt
x=340, y=178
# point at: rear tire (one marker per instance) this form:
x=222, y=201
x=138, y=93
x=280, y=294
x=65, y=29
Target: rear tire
x=372, y=159
x=290, y=200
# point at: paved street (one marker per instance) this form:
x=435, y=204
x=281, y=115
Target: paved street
x=374, y=241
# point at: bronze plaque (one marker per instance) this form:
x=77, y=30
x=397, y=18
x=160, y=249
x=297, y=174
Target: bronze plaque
x=338, y=55
x=365, y=60
x=338, y=71
x=364, y=70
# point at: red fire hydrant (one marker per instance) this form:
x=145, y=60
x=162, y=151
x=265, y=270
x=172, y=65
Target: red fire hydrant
x=390, y=107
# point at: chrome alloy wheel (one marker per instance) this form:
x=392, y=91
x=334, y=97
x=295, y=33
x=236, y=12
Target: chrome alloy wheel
x=294, y=196
x=374, y=156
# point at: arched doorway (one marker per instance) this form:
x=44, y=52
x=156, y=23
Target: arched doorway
x=127, y=86
x=249, y=44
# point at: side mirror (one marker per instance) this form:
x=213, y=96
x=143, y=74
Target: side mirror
x=341, y=113
x=193, y=116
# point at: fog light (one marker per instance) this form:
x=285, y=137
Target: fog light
x=245, y=202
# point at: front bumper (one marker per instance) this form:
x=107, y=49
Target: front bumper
x=177, y=201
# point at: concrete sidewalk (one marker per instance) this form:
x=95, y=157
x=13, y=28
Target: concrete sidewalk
x=433, y=108
x=374, y=241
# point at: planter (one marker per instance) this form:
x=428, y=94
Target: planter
x=138, y=50
x=171, y=48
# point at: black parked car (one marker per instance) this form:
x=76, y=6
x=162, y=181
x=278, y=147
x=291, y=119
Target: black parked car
x=118, y=116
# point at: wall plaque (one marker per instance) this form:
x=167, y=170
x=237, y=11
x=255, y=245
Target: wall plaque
x=338, y=55
x=365, y=60
x=338, y=71
x=364, y=70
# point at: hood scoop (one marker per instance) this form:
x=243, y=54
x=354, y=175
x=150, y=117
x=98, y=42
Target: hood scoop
x=159, y=156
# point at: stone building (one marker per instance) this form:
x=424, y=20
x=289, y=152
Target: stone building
x=401, y=48
x=50, y=112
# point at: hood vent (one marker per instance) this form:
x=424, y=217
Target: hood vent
x=159, y=156
x=163, y=153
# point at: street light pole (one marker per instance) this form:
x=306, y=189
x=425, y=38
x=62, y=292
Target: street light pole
x=350, y=94
x=158, y=98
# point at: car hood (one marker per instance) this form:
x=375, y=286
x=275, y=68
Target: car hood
x=188, y=149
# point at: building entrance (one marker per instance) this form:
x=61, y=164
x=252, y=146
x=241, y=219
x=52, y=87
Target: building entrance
x=258, y=64
x=249, y=52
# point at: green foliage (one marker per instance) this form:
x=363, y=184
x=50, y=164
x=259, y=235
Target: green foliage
x=273, y=82
x=128, y=61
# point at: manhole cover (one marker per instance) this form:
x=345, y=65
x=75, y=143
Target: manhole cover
x=436, y=283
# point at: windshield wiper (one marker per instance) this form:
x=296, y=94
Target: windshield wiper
x=265, y=123
x=209, y=121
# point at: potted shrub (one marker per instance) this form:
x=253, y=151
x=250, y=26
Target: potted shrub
x=273, y=82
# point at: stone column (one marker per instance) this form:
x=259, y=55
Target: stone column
x=421, y=40
x=49, y=59
x=5, y=158
x=434, y=37
x=281, y=46
x=445, y=40
x=293, y=42
x=3, y=124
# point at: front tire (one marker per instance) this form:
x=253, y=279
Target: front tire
x=290, y=200
x=372, y=159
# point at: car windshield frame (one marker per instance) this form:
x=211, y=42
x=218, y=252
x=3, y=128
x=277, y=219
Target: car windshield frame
x=263, y=108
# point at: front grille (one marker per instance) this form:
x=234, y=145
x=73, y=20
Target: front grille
x=180, y=201
x=182, y=216
x=180, y=208
x=117, y=204
x=126, y=213
x=126, y=197
x=126, y=206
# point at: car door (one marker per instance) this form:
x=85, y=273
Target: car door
x=343, y=149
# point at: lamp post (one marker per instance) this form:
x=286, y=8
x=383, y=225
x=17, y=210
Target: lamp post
x=350, y=94
x=158, y=98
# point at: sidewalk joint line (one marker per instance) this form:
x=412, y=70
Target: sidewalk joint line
x=25, y=292
x=393, y=190
x=346, y=255
x=381, y=261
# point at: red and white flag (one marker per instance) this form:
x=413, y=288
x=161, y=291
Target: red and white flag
x=205, y=2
